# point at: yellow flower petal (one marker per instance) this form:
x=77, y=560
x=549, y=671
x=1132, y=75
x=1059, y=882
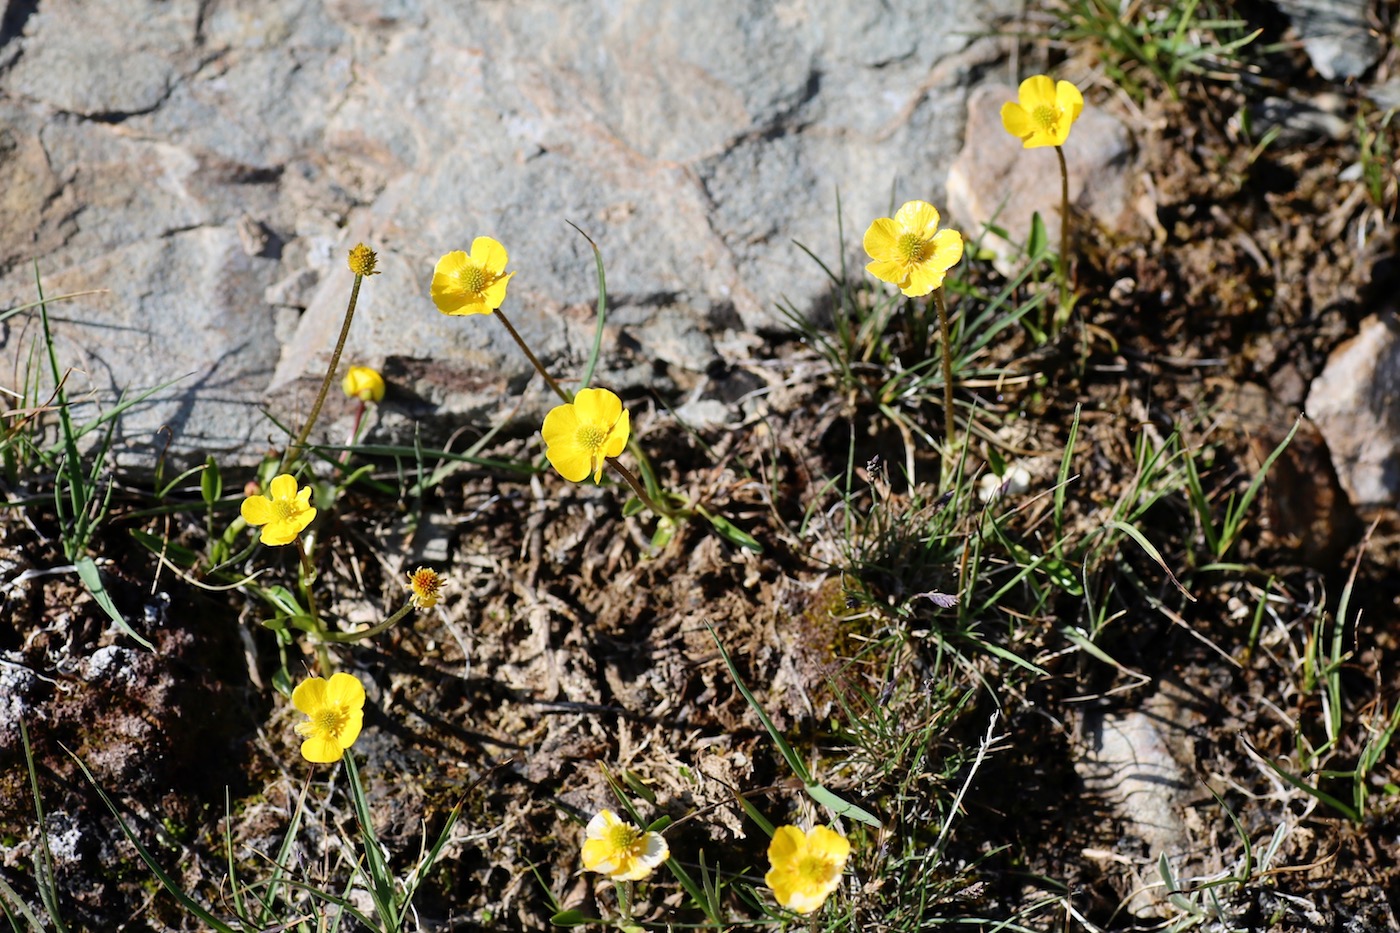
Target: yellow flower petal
x=321, y=750
x=489, y=255
x=495, y=294
x=1015, y=120
x=617, y=438
x=882, y=240
x=559, y=424
x=571, y=463
x=597, y=405
x=889, y=270
x=310, y=695
x=354, y=722
x=283, y=486
x=256, y=510
x=1037, y=91
x=917, y=217
x=343, y=688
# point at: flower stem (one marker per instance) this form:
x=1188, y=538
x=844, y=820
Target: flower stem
x=638, y=489
x=354, y=433
x=949, y=421
x=294, y=451
x=348, y=637
x=539, y=367
x=1064, y=226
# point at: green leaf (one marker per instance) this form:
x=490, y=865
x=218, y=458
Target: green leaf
x=638, y=787
x=633, y=506
x=211, y=481
x=572, y=918
x=841, y=806
x=92, y=579
x=732, y=533
x=1039, y=240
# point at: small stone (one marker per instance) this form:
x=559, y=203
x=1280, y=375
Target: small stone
x=1336, y=34
x=1356, y=407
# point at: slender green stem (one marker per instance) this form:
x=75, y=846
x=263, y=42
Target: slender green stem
x=294, y=451
x=1064, y=225
x=382, y=627
x=539, y=367
x=638, y=489
x=949, y=421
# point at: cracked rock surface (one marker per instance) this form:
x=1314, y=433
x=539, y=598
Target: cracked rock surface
x=207, y=165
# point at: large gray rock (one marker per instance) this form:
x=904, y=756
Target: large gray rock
x=211, y=168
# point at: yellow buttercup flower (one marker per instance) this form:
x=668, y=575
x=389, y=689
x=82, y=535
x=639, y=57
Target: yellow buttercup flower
x=426, y=587
x=578, y=437
x=806, y=866
x=472, y=284
x=620, y=850
x=910, y=251
x=363, y=383
x=335, y=711
x=1046, y=111
x=284, y=514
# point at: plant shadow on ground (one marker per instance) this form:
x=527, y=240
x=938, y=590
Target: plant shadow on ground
x=566, y=646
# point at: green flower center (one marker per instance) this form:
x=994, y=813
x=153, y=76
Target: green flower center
x=1046, y=117
x=590, y=437
x=473, y=280
x=328, y=721
x=815, y=869
x=625, y=839
x=284, y=509
x=911, y=247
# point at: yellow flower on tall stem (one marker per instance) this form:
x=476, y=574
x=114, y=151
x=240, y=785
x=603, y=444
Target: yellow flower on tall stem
x=335, y=714
x=910, y=251
x=806, y=866
x=472, y=283
x=616, y=848
x=284, y=514
x=1043, y=116
x=1045, y=112
x=580, y=436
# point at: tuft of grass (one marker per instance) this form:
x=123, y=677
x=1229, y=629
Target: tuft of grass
x=1141, y=44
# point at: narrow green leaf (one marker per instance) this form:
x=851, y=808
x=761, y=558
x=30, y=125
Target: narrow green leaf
x=92, y=579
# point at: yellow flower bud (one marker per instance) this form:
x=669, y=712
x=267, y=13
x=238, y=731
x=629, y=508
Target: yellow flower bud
x=362, y=260
x=363, y=383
